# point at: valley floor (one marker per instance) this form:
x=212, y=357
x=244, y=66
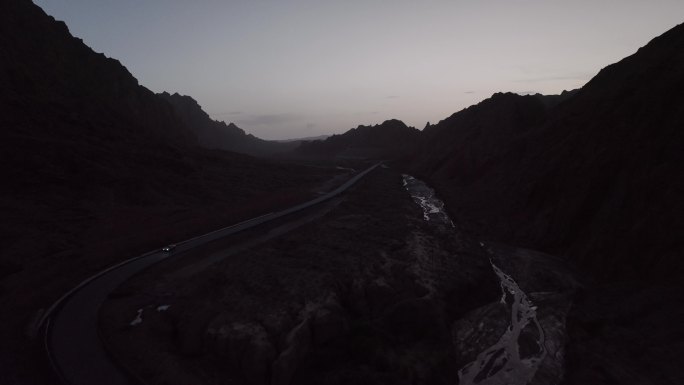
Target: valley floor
x=57, y=237
x=365, y=290
x=360, y=291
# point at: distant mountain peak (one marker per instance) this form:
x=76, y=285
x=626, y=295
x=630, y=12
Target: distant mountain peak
x=389, y=139
x=217, y=134
x=393, y=122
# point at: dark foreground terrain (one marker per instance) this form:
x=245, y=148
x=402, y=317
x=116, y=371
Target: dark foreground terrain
x=97, y=169
x=368, y=287
x=363, y=290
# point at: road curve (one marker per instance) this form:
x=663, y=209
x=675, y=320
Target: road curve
x=72, y=342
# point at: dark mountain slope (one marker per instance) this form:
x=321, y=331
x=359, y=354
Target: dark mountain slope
x=468, y=142
x=462, y=154
x=215, y=134
x=47, y=71
x=598, y=176
x=622, y=212
x=390, y=139
x=96, y=169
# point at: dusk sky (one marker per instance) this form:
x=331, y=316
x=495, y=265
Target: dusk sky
x=285, y=69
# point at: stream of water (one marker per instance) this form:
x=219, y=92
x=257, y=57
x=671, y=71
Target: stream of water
x=424, y=196
x=501, y=363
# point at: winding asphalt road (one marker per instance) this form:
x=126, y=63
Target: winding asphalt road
x=71, y=325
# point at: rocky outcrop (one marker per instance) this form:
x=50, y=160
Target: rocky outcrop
x=321, y=322
x=246, y=348
x=271, y=354
x=298, y=344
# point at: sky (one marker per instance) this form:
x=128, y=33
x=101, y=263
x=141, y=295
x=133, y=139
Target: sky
x=289, y=69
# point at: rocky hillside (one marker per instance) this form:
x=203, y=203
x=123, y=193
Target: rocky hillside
x=599, y=176
x=51, y=80
x=95, y=169
x=216, y=134
x=469, y=142
x=390, y=139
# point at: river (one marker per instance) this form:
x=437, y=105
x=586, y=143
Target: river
x=501, y=363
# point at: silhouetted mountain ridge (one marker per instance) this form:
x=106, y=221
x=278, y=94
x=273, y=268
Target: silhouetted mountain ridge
x=595, y=176
x=216, y=134
x=468, y=142
x=97, y=169
x=389, y=139
x=47, y=71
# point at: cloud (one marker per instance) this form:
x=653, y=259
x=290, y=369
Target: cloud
x=526, y=92
x=221, y=114
x=310, y=126
x=268, y=119
x=469, y=92
x=392, y=97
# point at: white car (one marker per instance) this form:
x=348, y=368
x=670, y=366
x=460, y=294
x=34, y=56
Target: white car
x=168, y=249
